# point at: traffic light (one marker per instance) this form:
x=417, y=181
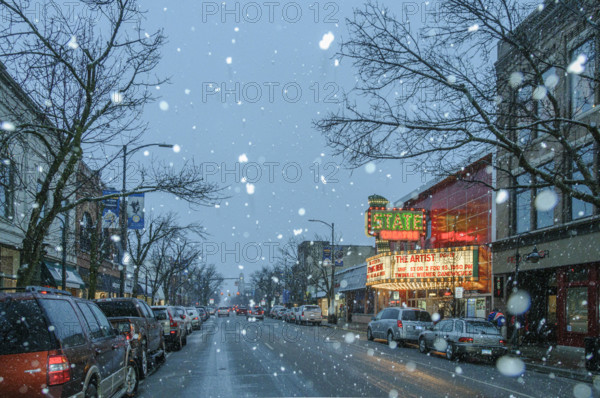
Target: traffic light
x=238, y=293
x=221, y=293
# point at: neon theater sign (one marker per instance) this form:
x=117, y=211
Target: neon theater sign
x=395, y=224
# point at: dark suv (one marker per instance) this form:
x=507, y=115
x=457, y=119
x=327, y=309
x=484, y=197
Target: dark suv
x=52, y=344
x=135, y=319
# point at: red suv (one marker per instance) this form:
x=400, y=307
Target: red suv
x=55, y=345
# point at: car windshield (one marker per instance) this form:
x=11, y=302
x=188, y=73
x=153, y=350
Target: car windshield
x=118, y=308
x=160, y=314
x=481, y=327
x=23, y=328
x=284, y=176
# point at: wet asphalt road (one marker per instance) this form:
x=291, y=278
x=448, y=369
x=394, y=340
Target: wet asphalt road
x=231, y=357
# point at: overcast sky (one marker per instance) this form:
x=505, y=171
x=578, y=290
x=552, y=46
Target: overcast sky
x=245, y=88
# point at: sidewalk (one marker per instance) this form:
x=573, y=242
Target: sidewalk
x=555, y=360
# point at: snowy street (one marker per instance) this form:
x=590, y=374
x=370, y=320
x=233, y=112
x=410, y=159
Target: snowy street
x=233, y=357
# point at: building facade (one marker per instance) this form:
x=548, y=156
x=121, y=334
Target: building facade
x=547, y=240
x=434, y=245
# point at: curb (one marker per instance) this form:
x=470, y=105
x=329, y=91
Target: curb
x=568, y=373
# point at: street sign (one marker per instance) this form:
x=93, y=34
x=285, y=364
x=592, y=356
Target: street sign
x=458, y=292
x=212, y=301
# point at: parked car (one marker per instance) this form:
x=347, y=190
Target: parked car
x=256, y=312
x=279, y=313
x=192, y=312
x=212, y=311
x=295, y=314
x=222, y=311
x=203, y=314
x=310, y=314
x=173, y=327
x=135, y=319
x=241, y=310
x=56, y=345
x=287, y=315
x=459, y=337
x=399, y=324
x=181, y=311
x=273, y=312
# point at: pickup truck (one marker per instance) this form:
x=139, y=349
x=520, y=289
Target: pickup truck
x=135, y=319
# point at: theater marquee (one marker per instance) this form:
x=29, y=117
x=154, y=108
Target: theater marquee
x=423, y=267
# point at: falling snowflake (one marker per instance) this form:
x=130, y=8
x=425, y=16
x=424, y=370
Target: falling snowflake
x=326, y=41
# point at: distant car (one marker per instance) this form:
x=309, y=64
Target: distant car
x=279, y=313
x=56, y=345
x=222, y=311
x=212, y=311
x=310, y=314
x=256, y=312
x=287, y=315
x=203, y=314
x=295, y=314
x=241, y=310
x=182, y=312
x=172, y=325
x=195, y=317
x=273, y=312
x=460, y=337
x=399, y=324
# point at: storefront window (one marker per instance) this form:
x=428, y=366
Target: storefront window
x=577, y=310
x=523, y=203
x=578, y=274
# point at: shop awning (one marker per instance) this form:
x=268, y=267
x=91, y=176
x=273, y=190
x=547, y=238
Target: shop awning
x=354, y=278
x=73, y=280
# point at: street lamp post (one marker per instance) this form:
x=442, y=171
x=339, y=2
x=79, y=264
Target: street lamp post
x=124, y=210
x=332, y=316
x=65, y=224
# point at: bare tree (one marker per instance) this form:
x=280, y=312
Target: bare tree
x=266, y=282
x=85, y=75
x=142, y=240
x=435, y=95
x=204, y=282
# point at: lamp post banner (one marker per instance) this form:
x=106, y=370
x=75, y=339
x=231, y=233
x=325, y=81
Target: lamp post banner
x=135, y=211
x=110, y=212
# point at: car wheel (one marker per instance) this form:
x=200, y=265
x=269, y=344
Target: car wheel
x=143, y=365
x=422, y=346
x=390, y=337
x=91, y=391
x=179, y=343
x=450, y=352
x=131, y=380
x=185, y=340
x=369, y=334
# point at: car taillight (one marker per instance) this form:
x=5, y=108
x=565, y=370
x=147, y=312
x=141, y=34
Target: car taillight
x=302, y=313
x=172, y=322
x=465, y=340
x=183, y=317
x=503, y=342
x=59, y=370
x=399, y=324
x=196, y=318
x=129, y=335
